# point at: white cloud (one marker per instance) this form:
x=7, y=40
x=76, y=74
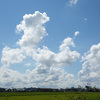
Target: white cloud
x=48, y=71
x=10, y=78
x=72, y=2
x=33, y=28
x=76, y=33
x=67, y=42
x=34, y=31
x=90, y=72
x=11, y=56
x=54, y=78
x=65, y=57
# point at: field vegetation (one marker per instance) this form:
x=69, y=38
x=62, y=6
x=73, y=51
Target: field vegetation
x=50, y=96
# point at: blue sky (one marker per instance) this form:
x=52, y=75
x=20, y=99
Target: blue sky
x=58, y=55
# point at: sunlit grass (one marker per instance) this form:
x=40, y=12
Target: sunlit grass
x=50, y=96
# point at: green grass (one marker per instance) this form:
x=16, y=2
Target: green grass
x=50, y=96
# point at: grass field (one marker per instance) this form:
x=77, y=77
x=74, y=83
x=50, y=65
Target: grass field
x=50, y=96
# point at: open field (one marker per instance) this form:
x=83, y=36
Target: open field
x=49, y=96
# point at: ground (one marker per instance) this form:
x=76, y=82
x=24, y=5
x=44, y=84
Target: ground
x=50, y=96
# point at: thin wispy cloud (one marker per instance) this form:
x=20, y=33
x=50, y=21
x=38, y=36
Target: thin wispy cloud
x=72, y=2
x=85, y=19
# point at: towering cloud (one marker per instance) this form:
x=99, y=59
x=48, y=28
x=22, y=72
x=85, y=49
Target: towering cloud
x=33, y=29
x=90, y=72
x=48, y=71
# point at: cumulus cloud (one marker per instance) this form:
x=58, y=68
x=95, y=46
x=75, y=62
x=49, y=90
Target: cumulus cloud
x=33, y=29
x=11, y=56
x=90, y=72
x=76, y=33
x=48, y=71
x=72, y=2
x=10, y=78
x=67, y=42
x=55, y=78
x=64, y=57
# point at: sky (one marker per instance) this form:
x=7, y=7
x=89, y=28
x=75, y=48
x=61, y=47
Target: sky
x=49, y=43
